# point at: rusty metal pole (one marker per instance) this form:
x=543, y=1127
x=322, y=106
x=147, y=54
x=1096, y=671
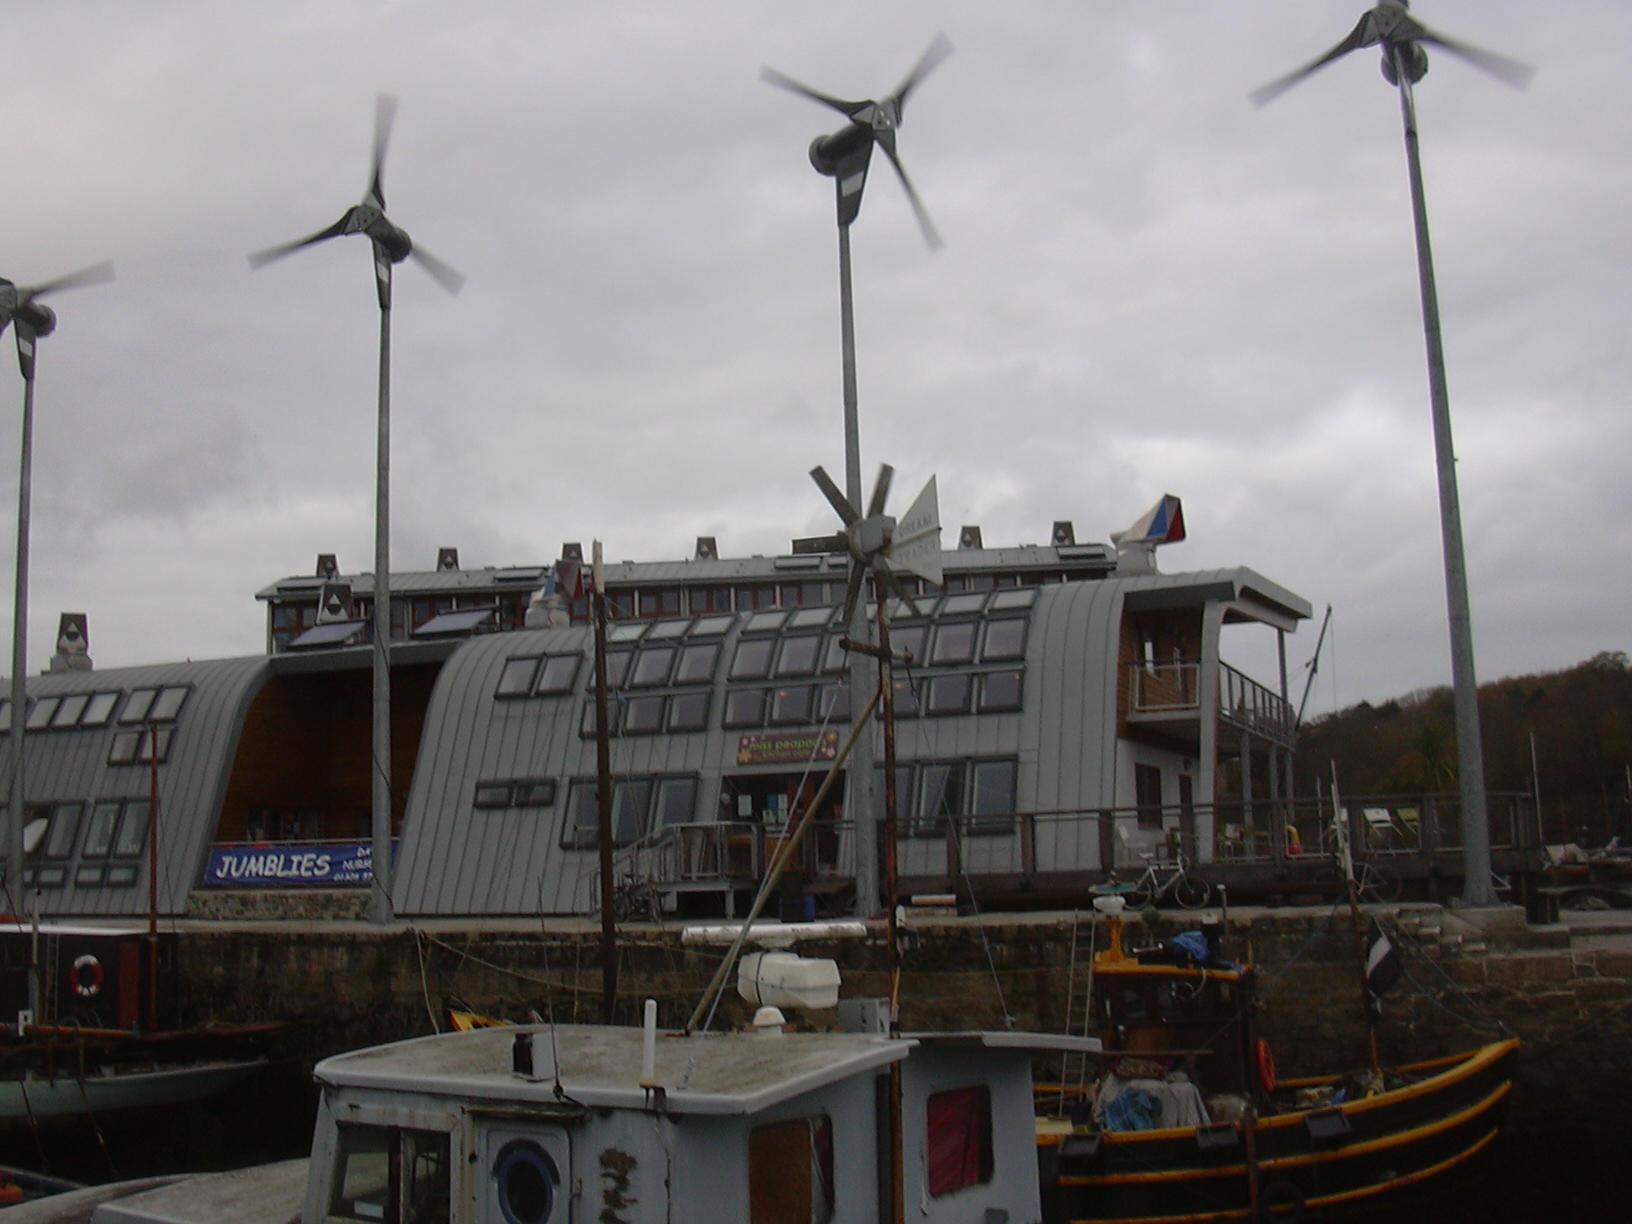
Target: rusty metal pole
x=603, y=799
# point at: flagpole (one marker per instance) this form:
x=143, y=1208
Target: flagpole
x=1346, y=858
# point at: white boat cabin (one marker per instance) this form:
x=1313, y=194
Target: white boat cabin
x=767, y=1128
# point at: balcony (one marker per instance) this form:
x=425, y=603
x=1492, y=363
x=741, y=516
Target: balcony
x=1168, y=695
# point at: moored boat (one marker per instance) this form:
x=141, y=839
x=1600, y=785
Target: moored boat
x=1189, y=1123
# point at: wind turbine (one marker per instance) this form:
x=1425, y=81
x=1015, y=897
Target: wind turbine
x=31, y=320
x=391, y=246
x=1404, y=62
x=844, y=156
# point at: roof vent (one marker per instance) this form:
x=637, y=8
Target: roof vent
x=969, y=537
x=1064, y=533
x=572, y=552
x=73, y=644
x=447, y=559
x=707, y=549
x=327, y=566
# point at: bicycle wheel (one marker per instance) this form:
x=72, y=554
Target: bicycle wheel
x=1377, y=884
x=1191, y=893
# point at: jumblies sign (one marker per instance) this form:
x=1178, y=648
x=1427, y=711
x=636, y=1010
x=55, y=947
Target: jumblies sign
x=263, y=866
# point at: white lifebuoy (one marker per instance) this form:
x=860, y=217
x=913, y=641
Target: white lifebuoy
x=87, y=977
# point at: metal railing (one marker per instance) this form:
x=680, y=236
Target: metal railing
x=1248, y=704
x=1022, y=845
x=1175, y=688
x=1163, y=688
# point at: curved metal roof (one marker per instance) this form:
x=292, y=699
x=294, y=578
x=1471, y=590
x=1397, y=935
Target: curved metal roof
x=71, y=765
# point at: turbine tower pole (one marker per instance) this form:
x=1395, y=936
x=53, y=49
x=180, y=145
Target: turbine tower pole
x=19, y=642
x=859, y=786
x=379, y=906
x=1476, y=874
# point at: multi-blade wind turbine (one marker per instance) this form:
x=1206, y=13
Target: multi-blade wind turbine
x=844, y=156
x=1405, y=61
x=391, y=245
x=31, y=320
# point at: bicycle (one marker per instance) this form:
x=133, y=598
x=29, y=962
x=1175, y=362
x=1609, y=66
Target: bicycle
x=1162, y=878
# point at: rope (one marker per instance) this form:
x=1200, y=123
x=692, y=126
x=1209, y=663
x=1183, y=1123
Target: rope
x=980, y=923
x=1485, y=1021
x=424, y=987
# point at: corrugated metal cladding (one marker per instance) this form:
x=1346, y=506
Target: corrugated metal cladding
x=456, y=859
x=71, y=766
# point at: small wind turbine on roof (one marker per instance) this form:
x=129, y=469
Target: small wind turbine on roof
x=391, y=245
x=31, y=320
x=1401, y=36
x=844, y=156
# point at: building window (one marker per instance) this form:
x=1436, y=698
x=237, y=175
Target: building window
x=909, y=639
x=516, y=679
x=753, y=659
x=688, y=711
x=949, y=694
x=676, y=801
x=991, y=796
x=643, y=715
x=660, y=603
x=834, y=706
x=493, y=794
x=137, y=705
x=1005, y=639
x=535, y=792
x=745, y=708
x=617, y=666
x=1147, y=794
x=940, y=794
x=652, y=667
x=954, y=643
x=905, y=699
x=697, y=663
x=798, y=657
x=71, y=708
x=559, y=674
x=711, y=599
x=791, y=705
x=99, y=710
x=630, y=799
x=59, y=840
x=1000, y=691
x=42, y=713
x=958, y=1139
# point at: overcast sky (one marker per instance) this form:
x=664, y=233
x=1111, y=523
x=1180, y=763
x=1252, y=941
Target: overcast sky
x=1148, y=286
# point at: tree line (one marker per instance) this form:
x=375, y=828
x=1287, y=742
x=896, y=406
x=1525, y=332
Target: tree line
x=1579, y=720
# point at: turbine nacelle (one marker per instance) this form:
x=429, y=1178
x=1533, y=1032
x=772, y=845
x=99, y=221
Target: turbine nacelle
x=845, y=154
x=392, y=239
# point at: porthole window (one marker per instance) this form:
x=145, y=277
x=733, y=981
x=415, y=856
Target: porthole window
x=526, y=1181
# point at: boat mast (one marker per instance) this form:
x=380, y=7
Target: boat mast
x=1346, y=860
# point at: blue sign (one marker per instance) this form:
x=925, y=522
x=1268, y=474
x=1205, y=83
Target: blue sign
x=266, y=866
